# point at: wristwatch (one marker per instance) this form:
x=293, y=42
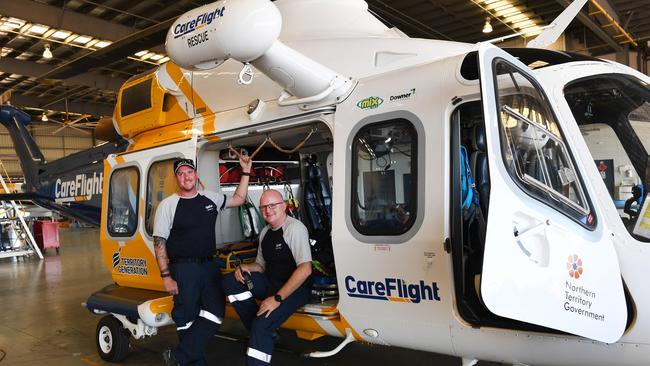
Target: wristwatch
x=277, y=298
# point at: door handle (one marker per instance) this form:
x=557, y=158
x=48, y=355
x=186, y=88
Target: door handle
x=530, y=231
x=533, y=243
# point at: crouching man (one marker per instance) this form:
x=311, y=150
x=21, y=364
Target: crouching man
x=279, y=278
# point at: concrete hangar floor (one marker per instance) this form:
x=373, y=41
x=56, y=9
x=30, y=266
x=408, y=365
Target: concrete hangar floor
x=42, y=320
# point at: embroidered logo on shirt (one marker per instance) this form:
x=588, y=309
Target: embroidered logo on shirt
x=278, y=246
x=209, y=208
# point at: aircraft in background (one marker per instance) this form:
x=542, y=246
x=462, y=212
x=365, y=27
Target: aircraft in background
x=71, y=185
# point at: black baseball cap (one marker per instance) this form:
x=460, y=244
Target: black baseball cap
x=183, y=162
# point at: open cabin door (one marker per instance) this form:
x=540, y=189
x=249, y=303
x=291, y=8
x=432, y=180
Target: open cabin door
x=548, y=260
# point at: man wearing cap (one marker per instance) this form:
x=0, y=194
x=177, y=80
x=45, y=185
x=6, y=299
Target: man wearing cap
x=279, y=276
x=184, y=242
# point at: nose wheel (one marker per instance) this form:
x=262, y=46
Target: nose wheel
x=112, y=340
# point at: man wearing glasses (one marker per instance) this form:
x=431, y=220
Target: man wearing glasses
x=184, y=242
x=279, y=278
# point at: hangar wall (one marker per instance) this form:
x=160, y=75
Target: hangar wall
x=53, y=145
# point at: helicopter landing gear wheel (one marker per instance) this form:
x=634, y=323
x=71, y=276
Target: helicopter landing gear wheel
x=112, y=340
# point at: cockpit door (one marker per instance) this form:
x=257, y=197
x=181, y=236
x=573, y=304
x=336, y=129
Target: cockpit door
x=548, y=260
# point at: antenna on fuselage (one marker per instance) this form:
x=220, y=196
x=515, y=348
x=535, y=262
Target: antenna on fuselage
x=557, y=26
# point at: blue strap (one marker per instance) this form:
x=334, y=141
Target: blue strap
x=467, y=183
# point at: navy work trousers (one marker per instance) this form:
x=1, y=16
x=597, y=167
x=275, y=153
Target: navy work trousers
x=260, y=345
x=198, y=309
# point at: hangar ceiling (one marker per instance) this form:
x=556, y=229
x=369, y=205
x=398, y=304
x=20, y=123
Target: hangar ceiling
x=96, y=45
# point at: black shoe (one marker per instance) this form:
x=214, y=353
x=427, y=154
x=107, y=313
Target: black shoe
x=168, y=358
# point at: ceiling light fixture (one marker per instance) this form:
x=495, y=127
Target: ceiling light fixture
x=44, y=117
x=47, y=53
x=102, y=44
x=38, y=29
x=60, y=34
x=82, y=39
x=487, y=28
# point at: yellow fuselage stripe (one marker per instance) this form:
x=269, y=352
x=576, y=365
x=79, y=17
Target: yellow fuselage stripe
x=208, y=114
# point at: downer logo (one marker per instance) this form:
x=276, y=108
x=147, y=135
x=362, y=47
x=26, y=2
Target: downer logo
x=409, y=95
x=392, y=289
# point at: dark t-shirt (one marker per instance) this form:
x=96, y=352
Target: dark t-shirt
x=280, y=263
x=283, y=249
x=188, y=224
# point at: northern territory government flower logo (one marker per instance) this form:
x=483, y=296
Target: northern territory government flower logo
x=574, y=265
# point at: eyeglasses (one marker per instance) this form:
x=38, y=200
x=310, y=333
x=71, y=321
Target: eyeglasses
x=272, y=206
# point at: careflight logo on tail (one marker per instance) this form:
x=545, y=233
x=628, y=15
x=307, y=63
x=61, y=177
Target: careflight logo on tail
x=81, y=187
x=392, y=289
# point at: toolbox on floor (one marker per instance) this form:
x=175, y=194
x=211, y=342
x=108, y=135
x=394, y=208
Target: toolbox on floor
x=46, y=234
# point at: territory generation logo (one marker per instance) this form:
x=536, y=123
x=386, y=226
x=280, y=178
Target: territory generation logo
x=574, y=266
x=392, y=289
x=129, y=266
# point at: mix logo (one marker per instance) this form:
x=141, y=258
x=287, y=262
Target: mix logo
x=199, y=22
x=370, y=103
x=392, y=289
x=574, y=266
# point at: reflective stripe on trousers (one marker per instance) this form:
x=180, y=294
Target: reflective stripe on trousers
x=186, y=326
x=208, y=315
x=264, y=357
x=240, y=297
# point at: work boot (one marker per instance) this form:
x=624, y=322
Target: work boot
x=168, y=358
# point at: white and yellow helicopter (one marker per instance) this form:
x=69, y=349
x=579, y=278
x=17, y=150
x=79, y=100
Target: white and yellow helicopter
x=533, y=266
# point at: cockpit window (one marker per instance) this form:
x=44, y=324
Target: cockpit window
x=533, y=147
x=123, y=202
x=613, y=113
